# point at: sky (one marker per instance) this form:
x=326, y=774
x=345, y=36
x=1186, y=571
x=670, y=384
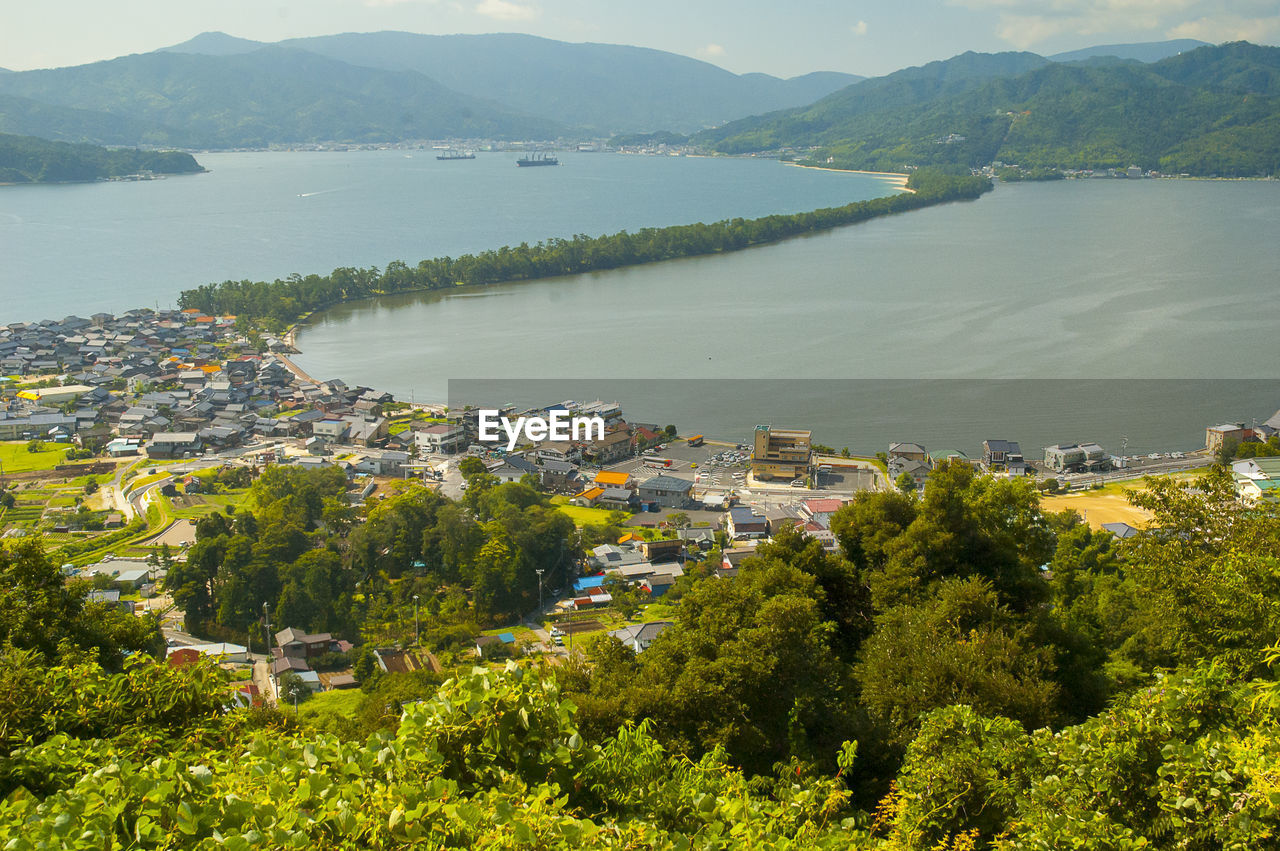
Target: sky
x=780, y=38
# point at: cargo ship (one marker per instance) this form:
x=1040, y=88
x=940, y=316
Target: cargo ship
x=456, y=155
x=537, y=159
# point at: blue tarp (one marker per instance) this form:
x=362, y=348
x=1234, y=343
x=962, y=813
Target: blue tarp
x=507, y=637
x=588, y=582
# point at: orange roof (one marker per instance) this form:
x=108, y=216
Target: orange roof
x=191, y=310
x=630, y=536
x=204, y=319
x=611, y=479
x=590, y=493
x=211, y=368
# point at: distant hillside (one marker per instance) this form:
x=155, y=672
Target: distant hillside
x=837, y=116
x=26, y=159
x=215, y=44
x=68, y=124
x=1213, y=110
x=1151, y=51
x=602, y=87
x=272, y=95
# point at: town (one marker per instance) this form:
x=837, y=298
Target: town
x=124, y=432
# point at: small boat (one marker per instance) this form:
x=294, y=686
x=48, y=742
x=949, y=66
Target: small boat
x=456, y=155
x=537, y=159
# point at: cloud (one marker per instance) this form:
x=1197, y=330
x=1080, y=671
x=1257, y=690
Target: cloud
x=711, y=51
x=860, y=28
x=503, y=10
x=1229, y=28
x=373, y=4
x=1025, y=23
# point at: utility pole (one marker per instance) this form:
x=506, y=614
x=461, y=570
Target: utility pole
x=540, y=572
x=266, y=621
x=417, y=637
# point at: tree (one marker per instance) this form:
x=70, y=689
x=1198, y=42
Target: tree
x=39, y=611
x=905, y=483
x=670, y=431
x=678, y=519
x=960, y=647
x=1227, y=451
x=293, y=689
x=35, y=445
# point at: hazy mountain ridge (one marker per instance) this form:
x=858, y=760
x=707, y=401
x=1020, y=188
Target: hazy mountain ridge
x=1148, y=51
x=271, y=95
x=600, y=87
x=1211, y=110
x=69, y=124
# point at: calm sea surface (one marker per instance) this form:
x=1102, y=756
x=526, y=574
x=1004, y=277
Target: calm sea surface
x=1099, y=280
x=1094, y=280
x=114, y=246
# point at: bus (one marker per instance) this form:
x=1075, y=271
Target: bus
x=658, y=463
x=696, y=440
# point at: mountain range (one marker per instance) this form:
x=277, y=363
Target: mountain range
x=603, y=88
x=1211, y=110
x=218, y=91
x=1176, y=105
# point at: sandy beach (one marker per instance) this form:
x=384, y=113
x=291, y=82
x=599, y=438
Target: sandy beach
x=892, y=177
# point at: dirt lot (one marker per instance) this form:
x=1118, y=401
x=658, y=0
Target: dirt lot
x=1098, y=508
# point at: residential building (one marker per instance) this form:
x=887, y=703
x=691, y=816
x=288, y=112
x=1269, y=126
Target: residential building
x=558, y=475
x=911, y=451
x=298, y=644
x=998, y=455
x=731, y=560
x=440, y=438
x=175, y=444
x=613, y=479
x=613, y=447
x=666, y=491
x=1216, y=436
x=1077, y=458
x=639, y=636
x=667, y=549
x=744, y=523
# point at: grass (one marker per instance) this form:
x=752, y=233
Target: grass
x=344, y=703
x=585, y=516
x=16, y=459
x=143, y=481
x=208, y=503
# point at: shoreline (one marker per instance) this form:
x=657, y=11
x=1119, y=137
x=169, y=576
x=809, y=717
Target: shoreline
x=893, y=178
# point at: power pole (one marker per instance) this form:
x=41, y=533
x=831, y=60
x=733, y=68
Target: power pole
x=266, y=621
x=417, y=637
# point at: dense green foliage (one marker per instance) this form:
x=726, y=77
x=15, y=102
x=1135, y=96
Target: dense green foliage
x=272, y=96
x=965, y=672
x=43, y=614
x=1215, y=110
x=282, y=301
x=26, y=159
x=299, y=550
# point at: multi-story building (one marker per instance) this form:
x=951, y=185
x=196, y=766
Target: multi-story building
x=781, y=453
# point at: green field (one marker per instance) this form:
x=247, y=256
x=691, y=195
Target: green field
x=584, y=516
x=16, y=459
x=318, y=708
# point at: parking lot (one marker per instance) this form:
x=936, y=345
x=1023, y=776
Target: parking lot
x=721, y=468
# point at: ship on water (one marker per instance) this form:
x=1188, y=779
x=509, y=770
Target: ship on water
x=537, y=159
x=456, y=155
